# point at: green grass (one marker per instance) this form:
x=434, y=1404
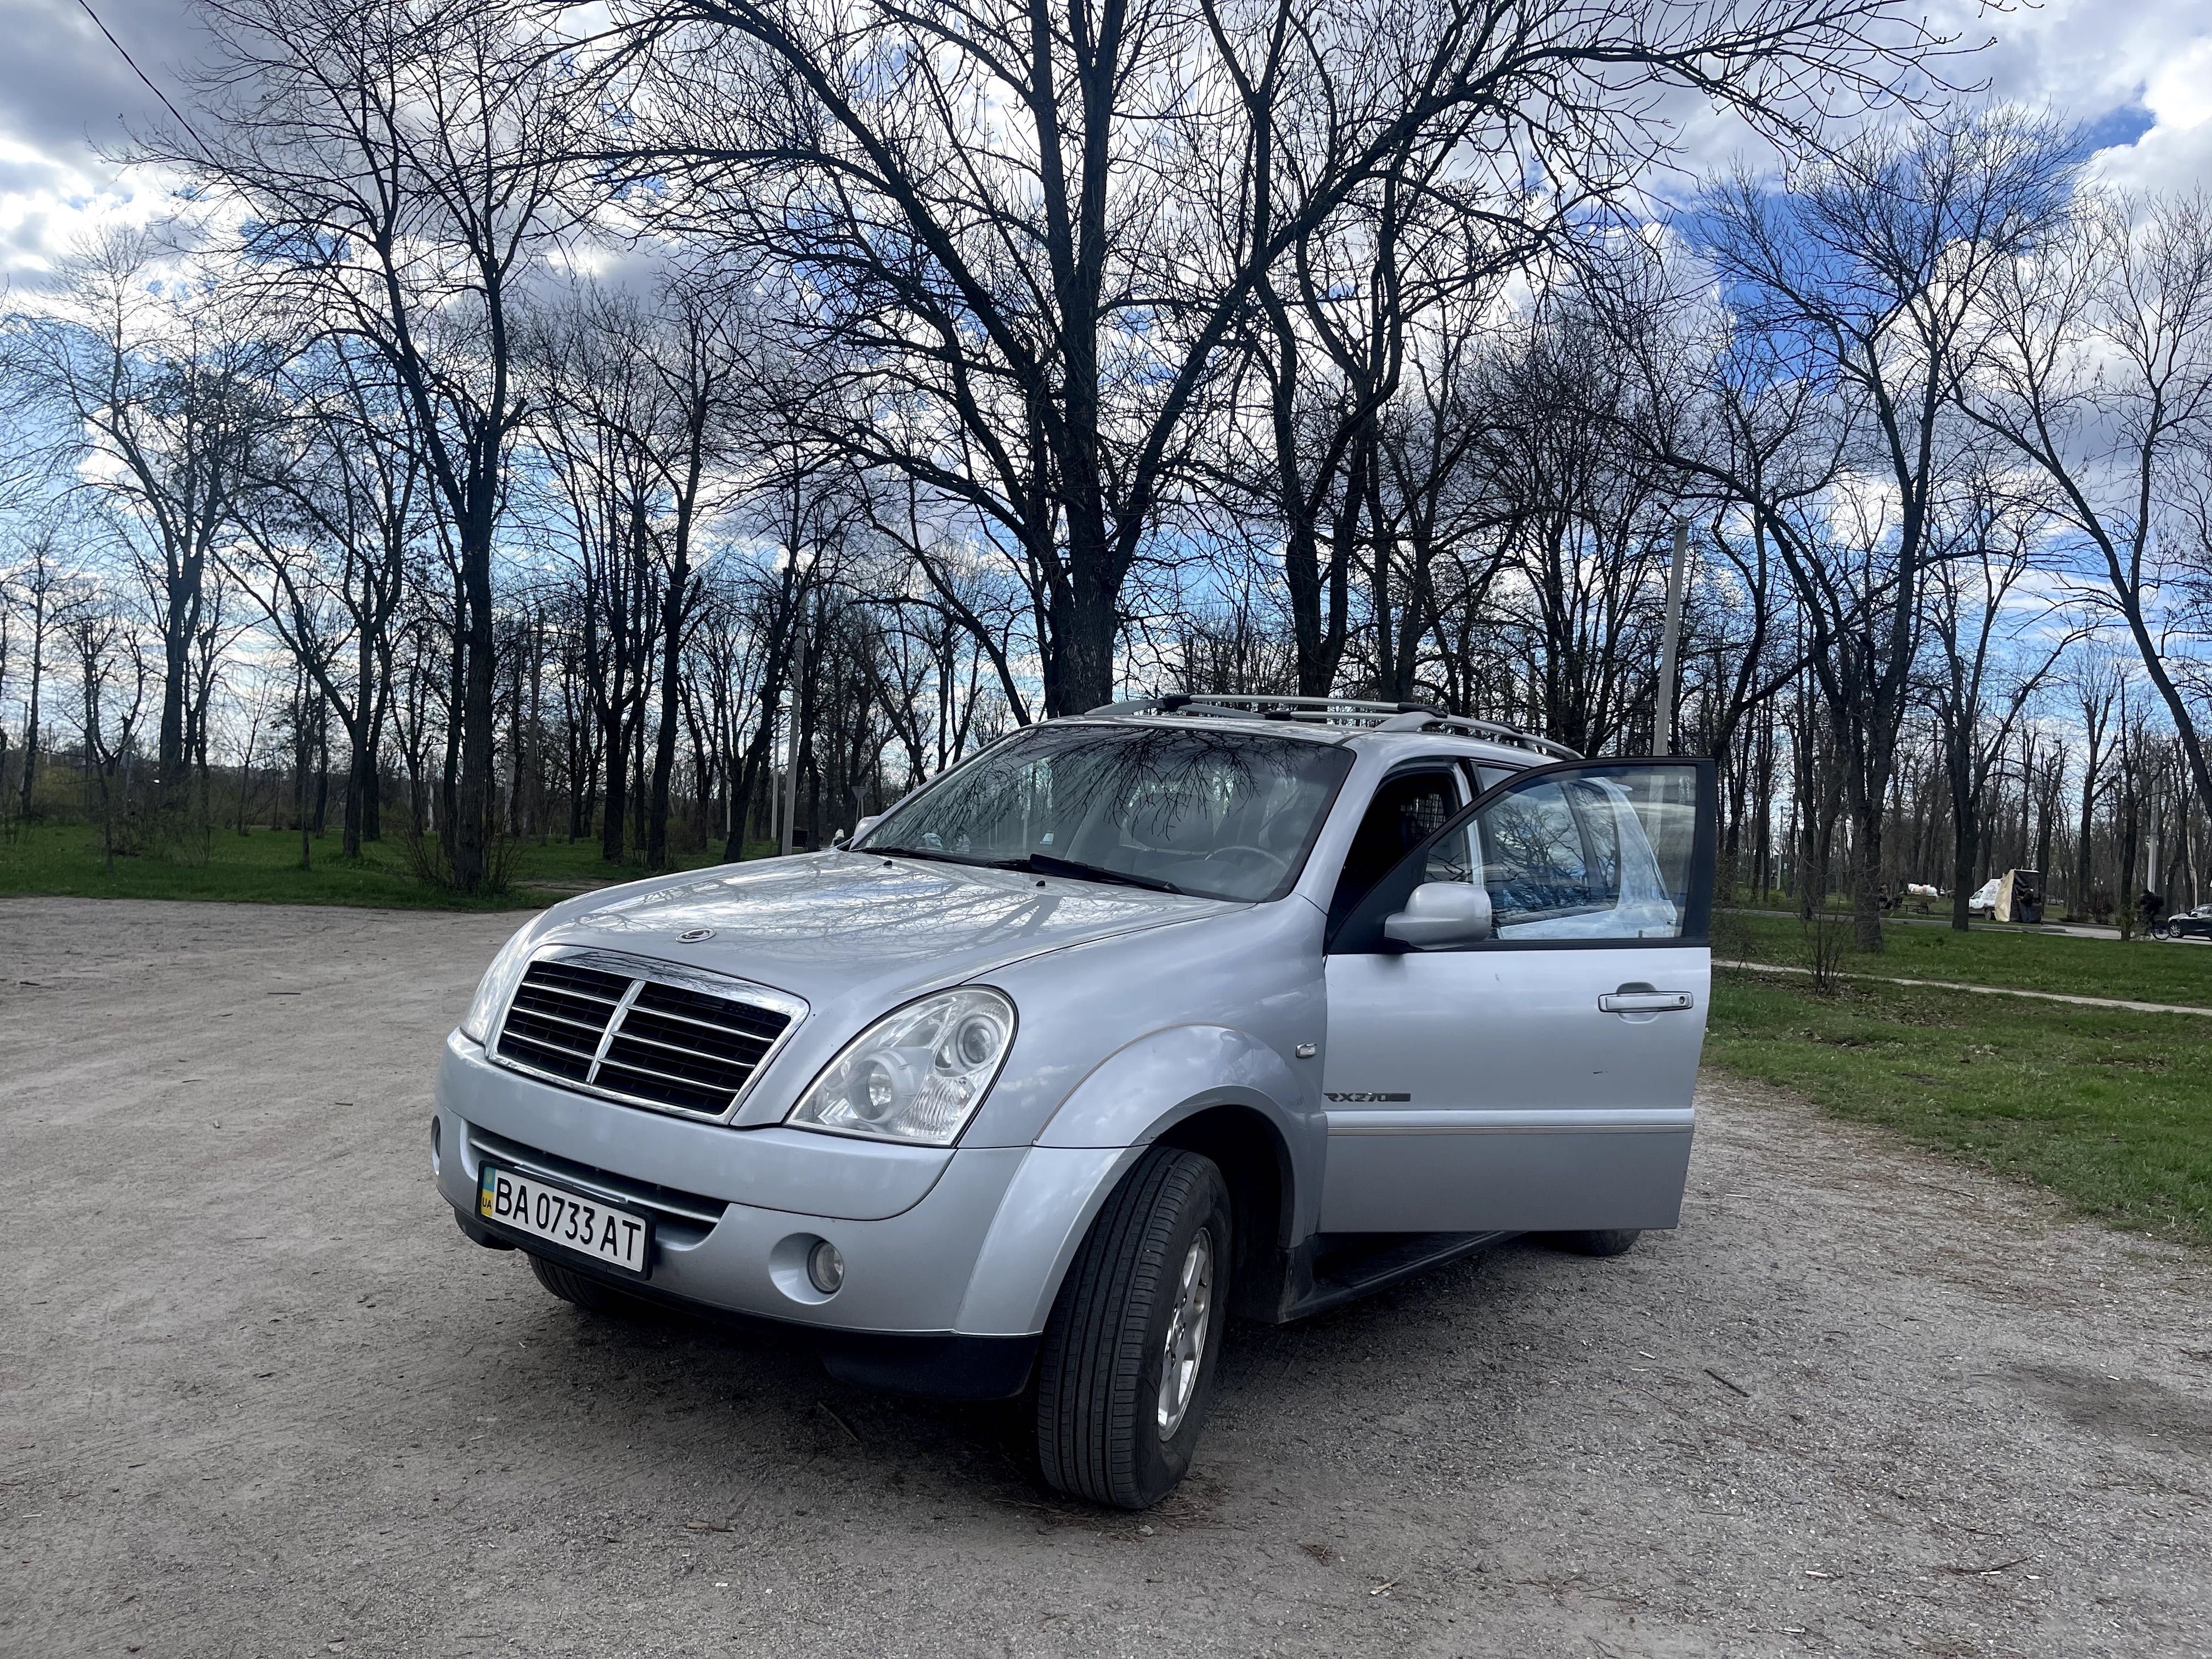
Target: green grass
x=2109, y=1108
x=2140, y=970
x=263, y=867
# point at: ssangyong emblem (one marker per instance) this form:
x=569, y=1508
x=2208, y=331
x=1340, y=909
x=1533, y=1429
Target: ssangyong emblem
x=693, y=935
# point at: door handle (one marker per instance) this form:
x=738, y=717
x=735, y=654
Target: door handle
x=1645, y=1002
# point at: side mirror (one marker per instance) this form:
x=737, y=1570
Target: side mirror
x=861, y=830
x=1439, y=914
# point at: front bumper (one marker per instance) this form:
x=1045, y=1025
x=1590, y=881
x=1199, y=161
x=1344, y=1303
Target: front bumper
x=934, y=1364
x=941, y=1246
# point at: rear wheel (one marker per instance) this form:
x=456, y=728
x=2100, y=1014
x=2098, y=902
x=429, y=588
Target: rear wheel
x=1598, y=1240
x=587, y=1292
x=1126, y=1372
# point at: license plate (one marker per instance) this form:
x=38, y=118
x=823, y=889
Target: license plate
x=589, y=1226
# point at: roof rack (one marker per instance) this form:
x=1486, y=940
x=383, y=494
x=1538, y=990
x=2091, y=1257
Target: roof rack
x=1331, y=711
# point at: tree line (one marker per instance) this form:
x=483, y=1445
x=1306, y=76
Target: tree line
x=689, y=434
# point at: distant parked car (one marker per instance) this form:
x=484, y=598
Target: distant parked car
x=1984, y=900
x=2186, y=924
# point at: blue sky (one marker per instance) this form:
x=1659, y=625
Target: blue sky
x=2137, y=72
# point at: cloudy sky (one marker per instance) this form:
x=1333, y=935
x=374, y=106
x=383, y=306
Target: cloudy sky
x=2137, y=72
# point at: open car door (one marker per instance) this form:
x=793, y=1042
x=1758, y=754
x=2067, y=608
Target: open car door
x=1515, y=1011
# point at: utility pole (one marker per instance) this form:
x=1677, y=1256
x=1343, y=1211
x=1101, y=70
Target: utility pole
x=1670, y=641
x=791, y=767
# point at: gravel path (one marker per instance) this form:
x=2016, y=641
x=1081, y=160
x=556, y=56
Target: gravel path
x=257, y=1395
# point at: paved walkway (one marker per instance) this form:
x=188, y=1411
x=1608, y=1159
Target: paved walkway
x=1988, y=990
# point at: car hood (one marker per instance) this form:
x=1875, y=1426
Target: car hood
x=834, y=926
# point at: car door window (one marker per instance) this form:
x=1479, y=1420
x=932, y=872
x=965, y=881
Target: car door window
x=1406, y=810
x=1593, y=852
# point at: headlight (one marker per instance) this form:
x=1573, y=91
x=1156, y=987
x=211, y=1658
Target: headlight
x=917, y=1074
x=497, y=985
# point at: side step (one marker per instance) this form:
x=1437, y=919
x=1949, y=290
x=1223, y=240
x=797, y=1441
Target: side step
x=1327, y=1272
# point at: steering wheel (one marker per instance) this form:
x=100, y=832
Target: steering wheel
x=1282, y=865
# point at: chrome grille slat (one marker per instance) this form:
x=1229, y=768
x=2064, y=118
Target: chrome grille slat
x=663, y=1091
x=549, y=998
x=565, y=1063
x=539, y=1013
x=659, y=1012
x=702, y=1078
x=744, y=1061
x=645, y=1033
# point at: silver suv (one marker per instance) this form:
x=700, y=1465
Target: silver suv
x=1180, y=1009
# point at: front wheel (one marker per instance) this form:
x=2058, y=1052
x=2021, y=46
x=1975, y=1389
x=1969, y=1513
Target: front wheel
x=1598, y=1240
x=1126, y=1370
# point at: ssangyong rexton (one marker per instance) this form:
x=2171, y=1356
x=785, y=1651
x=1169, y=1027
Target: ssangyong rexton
x=1129, y=1022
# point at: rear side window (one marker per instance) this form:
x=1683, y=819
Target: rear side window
x=1406, y=810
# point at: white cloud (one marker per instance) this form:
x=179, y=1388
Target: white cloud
x=2138, y=69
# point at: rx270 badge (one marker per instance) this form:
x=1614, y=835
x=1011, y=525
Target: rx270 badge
x=1369, y=1095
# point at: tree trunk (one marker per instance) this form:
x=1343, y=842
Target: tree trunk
x=472, y=796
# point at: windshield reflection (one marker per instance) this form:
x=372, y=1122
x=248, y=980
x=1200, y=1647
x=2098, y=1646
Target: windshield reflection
x=1225, y=815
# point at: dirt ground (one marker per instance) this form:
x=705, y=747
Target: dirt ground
x=258, y=1396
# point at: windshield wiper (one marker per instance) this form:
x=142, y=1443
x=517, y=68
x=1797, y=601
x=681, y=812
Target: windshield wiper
x=1044, y=864
x=942, y=857
x=1039, y=864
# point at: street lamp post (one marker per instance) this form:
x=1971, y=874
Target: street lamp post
x=791, y=761
x=1670, y=640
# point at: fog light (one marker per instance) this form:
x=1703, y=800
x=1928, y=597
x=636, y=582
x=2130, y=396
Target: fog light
x=825, y=1266
x=436, y=1149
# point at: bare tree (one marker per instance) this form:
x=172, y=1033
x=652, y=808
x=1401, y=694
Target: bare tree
x=1976, y=702
x=39, y=590
x=330, y=533
x=403, y=163
x=2099, y=373
x=1869, y=272
x=158, y=373
x=1044, y=225
x=112, y=676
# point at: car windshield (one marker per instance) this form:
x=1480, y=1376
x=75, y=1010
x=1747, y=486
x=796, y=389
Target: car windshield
x=1220, y=814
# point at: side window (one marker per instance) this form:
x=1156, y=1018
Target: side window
x=1579, y=855
x=1488, y=777
x=1406, y=810
x=1593, y=851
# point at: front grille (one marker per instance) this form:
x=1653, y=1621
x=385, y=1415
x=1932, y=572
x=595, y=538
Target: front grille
x=652, y=1034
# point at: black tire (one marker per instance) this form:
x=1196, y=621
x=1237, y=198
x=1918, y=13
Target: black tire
x=587, y=1292
x=1099, y=1369
x=1598, y=1240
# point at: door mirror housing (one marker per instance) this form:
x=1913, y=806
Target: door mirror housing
x=1440, y=915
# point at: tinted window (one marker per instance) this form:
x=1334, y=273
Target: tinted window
x=1406, y=810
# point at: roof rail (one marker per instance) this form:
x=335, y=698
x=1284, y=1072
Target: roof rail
x=1360, y=711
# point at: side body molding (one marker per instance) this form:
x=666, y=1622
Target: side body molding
x=1132, y=1098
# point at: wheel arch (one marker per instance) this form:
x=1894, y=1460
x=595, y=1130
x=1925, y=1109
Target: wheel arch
x=1255, y=1162
x=1229, y=1092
